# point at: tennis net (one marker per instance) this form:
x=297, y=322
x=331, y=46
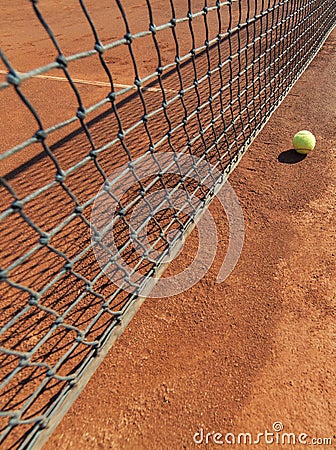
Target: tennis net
x=179, y=79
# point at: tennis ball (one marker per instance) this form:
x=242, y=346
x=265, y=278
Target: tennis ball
x=304, y=141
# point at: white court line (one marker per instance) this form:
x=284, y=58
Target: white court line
x=94, y=83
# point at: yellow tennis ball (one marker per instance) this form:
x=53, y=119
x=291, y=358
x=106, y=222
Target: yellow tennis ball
x=304, y=141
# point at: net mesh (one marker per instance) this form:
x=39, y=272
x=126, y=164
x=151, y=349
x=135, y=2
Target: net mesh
x=199, y=79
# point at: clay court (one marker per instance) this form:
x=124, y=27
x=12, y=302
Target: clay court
x=231, y=357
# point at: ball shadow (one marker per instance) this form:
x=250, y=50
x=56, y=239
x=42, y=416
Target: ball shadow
x=290, y=157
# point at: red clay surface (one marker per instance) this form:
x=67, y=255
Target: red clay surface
x=231, y=357
x=257, y=349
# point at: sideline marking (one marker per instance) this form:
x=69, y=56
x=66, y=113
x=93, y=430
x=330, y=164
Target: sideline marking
x=94, y=83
